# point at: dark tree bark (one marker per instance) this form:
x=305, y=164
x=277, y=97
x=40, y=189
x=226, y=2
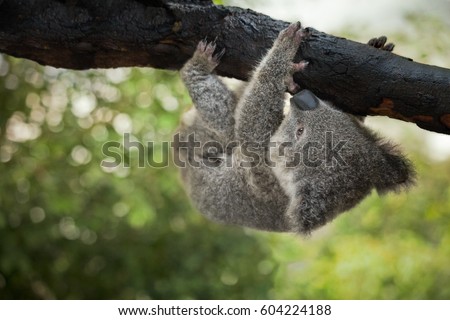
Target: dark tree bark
x=82, y=34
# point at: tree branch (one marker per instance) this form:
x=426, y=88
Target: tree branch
x=82, y=34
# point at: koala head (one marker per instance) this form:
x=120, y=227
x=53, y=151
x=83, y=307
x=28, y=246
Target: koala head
x=315, y=134
x=319, y=149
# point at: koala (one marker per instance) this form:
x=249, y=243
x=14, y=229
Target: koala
x=245, y=162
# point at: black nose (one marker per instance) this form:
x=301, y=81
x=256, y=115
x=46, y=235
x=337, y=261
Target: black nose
x=305, y=100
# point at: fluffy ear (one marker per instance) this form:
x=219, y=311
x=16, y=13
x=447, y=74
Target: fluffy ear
x=396, y=171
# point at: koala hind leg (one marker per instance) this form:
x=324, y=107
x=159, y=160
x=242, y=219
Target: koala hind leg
x=214, y=102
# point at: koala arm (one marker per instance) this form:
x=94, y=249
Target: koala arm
x=214, y=102
x=308, y=207
x=260, y=110
x=316, y=202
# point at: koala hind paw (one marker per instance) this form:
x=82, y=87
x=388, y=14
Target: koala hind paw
x=205, y=51
x=292, y=34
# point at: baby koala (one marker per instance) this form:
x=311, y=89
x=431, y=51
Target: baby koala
x=243, y=162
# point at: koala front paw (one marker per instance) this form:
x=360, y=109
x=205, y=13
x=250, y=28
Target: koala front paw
x=293, y=87
x=205, y=54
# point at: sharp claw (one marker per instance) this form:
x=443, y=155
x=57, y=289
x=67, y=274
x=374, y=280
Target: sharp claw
x=380, y=43
x=389, y=47
x=296, y=67
x=219, y=55
x=199, y=45
x=293, y=89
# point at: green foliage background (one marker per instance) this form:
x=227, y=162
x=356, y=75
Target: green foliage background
x=70, y=229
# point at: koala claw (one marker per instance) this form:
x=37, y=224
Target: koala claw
x=219, y=55
x=300, y=66
x=292, y=87
x=380, y=43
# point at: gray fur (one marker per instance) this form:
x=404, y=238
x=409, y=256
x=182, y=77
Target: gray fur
x=240, y=180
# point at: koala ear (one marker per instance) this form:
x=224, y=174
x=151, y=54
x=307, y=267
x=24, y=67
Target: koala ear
x=396, y=171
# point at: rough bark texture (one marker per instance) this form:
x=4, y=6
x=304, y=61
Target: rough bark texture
x=163, y=34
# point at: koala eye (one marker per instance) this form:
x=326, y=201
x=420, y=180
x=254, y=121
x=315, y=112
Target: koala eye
x=212, y=150
x=213, y=161
x=217, y=161
x=299, y=132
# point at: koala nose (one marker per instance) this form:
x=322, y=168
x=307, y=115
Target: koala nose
x=305, y=100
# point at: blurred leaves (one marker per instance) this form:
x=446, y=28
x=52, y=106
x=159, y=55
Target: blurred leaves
x=71, y=229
